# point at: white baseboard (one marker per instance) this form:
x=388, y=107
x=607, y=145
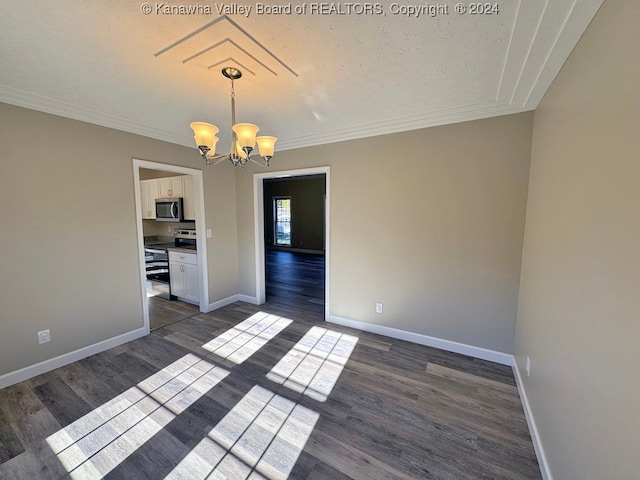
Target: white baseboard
x=450, y=346
x=222, y=303
x=229, y=300
x=476, y=352
x=67, y=358
x=248, y=299
x=533, y=429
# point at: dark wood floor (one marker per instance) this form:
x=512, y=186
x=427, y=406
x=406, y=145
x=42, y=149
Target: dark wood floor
x=292, y=279
x=398, y=410
x=163, y=312
x=295, y=279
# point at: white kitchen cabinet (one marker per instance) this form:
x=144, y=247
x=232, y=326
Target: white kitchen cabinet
x=170, y=187
x=183, y=272
x=188, y=205
x=148, y=195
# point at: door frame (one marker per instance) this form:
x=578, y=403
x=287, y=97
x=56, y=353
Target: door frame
x=198, y=191
x=258, y=218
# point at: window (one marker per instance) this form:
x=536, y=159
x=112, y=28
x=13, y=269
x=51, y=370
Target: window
x=282, y=221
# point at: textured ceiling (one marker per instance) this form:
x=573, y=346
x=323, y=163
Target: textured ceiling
x=308, y=78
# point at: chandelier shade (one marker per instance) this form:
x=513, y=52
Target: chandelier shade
x=266, y=145
x=246, y=134
x=205, y=135
x=243, y=136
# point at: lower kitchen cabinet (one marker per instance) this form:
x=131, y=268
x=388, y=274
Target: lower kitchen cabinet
x=183, y=272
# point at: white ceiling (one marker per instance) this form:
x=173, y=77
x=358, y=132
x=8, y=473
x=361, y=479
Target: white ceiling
x=308, y=79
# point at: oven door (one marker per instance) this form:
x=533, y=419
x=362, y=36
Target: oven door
x=157, y=271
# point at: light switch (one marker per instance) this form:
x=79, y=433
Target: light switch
x=208, y=233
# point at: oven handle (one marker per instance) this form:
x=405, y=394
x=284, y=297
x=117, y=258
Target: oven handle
x=155, y=250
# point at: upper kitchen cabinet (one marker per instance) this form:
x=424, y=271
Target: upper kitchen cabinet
x=170, y=187
x=148, y=195
x=188, y=204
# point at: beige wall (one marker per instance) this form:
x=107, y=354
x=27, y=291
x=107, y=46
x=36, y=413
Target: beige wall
x=428, y=222
x=580, y=291
x=69, y=247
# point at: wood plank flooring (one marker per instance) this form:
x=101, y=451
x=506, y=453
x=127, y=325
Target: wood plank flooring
x=162, y=312
x=295, y=279
x=397, y=411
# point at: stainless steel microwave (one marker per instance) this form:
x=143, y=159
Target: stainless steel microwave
x=169, y=209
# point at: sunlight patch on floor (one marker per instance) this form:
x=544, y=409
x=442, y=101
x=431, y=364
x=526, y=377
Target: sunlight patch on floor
x=240, y=342
x=95, y=444
x=261, y=437
x=315, y=363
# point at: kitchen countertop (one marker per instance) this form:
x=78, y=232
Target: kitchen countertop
x=185, y=249
x=167, y=243
x=158, y=246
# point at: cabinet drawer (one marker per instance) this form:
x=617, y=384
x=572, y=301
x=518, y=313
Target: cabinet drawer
x=190, y=258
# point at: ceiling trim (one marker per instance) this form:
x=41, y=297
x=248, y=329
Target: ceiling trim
x=231, y=59
x=534, y=57
x=221, y=42
x=397, y=125
x=20, y=98
x=239, y=29
x=460, y=114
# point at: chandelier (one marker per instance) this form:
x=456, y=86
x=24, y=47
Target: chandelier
x=243, y=136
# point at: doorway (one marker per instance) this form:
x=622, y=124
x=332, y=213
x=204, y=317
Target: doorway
x=298, y=253
x=294, y=242
x=160, y=311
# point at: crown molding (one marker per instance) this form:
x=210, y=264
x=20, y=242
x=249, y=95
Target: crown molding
x=44, y=104
x=20, y=98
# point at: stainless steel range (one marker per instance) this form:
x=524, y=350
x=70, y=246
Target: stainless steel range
x=157, y=262
x=185, y=238
x=157, y=268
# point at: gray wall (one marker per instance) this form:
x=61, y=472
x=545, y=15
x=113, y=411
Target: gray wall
x=69, y=258
x=307, y=210
x=444, y=256
x=579, y=303
x=429, y=222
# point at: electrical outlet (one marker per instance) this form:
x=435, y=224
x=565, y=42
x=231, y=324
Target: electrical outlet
x=44, y=337
x=378, y=307
x=168, y=229
x=208, y=233
x=528, y=367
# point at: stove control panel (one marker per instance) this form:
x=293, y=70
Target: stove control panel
x=185, y=233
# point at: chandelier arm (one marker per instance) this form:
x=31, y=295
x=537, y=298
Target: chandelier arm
x=220, y=158
x=207, y=160
x=220, y=155
x=257, y=163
